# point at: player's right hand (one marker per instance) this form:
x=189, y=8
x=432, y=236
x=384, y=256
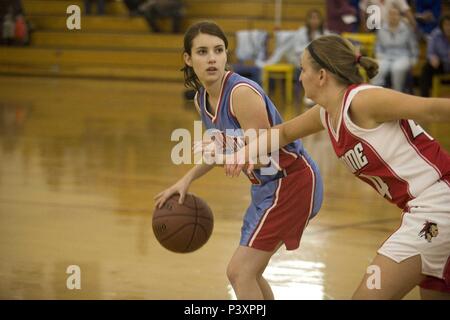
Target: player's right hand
x=181, y=187
x=235, y=163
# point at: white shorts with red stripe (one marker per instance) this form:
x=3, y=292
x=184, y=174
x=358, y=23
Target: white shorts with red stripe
x=425, y=230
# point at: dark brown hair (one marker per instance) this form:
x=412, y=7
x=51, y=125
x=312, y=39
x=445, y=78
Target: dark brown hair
x=207, y=27
x=307, y=24
x=443, y=18
x=339, y=56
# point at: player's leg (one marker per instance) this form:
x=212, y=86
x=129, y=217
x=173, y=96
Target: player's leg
x=278, y=213
x=245, y=273
x=396, y=279
x=433, y=288
x=426, y=294
x=264, y=285
x=265, y=289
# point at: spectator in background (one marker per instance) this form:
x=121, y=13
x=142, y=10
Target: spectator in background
x=355, y=4
x=292, y=49
x=438, y=55
x=156, y=9
x=384, y=6
x=341, y=16
x=100, y=6
x=427, y=14
x=396, y=50
x=14, y=29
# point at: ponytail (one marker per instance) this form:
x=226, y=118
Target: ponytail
x=369, y=65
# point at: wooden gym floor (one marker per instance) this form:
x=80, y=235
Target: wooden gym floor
x=80, y=162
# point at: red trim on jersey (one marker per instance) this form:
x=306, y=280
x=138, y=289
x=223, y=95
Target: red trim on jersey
x=446, y=181
x=221, y=95
x=415, y=148
x=403, y=203
x=197, y=103
x=214, y=118
x=205, y=104
x=230, y=110
x=389, y=168
x=334, y=133
x=339, y=150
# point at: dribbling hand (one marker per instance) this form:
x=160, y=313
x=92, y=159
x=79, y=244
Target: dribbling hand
x=181, y=187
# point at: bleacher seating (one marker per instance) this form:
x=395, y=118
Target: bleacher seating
x=118, y=46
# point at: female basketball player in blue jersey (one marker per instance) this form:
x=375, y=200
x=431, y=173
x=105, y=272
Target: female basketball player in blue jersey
x=370, y=132
x=281, y=203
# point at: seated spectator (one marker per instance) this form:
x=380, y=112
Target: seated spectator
x=292, y=49
x=156, y=9
x=14, y=29
x=341, y=16
x=384, y=6
x=438, y=55
x=427, y=15
x=100, y=6
x=396, y=51
x=251, y=49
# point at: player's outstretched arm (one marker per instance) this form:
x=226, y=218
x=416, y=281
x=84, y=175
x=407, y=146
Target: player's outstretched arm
x=301, y=126
x=384, y=105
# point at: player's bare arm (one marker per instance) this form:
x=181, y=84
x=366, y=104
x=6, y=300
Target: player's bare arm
x=384, y=105
x=250, y=110
x=182, y=185
x=301, y=126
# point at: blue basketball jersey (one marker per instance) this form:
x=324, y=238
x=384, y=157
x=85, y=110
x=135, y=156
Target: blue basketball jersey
x=225, y=119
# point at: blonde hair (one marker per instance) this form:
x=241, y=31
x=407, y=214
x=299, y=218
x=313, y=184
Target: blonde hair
x=339, y=56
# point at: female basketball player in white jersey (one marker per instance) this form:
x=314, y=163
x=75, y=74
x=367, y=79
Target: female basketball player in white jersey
x=373, y=131
x=281, y=203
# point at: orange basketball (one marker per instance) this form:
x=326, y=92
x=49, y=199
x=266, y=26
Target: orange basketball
x=183, y=227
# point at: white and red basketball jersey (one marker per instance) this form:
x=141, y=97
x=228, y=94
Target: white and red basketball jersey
x=398, y=159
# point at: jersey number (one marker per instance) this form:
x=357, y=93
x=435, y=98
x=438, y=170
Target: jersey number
x=380, y=185
x=417, y=130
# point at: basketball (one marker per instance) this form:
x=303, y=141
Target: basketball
x=183, y=227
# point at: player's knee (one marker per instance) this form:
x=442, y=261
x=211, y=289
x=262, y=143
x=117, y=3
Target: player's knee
x=238, y=273
x=233, y=273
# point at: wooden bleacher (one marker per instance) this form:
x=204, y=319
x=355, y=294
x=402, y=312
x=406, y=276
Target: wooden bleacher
x=117, y=46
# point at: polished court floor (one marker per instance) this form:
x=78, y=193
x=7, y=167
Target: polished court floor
x=80, y=162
